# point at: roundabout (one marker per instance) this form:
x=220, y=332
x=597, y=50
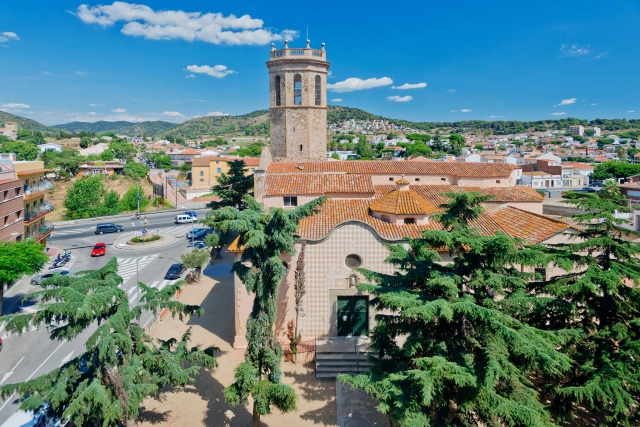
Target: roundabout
x=126, y=243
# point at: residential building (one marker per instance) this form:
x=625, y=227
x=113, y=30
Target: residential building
x=35, y=185
x=178, y=158
x=344, y=155
x=577, y=130
x=11, y=202
x=206, y=170
x=598, y=132
x=10, y=130
x=50, y=147
x=541, y=179
x=106, y=168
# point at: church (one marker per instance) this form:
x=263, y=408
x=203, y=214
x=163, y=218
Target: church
x=370, y=204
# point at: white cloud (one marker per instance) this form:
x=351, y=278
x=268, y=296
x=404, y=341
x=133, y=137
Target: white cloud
x=191, y=76
x=410, y=86
x=93, y=113
x=453, y=111
x=600, y=55
x=566, y=102
x=496, y=117
x=119, y=110
x=354, y=83
x=47, y=73
x=465, y=110
x=329, y=73
x=172, y=114
x=218, y=71
x=16, y=105
x=7, y=36
x=83, y=73
x=397, y=98
x=336, y=100
x=95, y=105
x=142, y=21
x=631, y=111
x=558, y=113
x=217, y=114
x=451, y=90
x=574, y=50
x=595, y=103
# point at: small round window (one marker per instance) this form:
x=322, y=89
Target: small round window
x=353, y=261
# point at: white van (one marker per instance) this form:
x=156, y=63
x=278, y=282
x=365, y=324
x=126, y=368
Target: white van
x=183, y=219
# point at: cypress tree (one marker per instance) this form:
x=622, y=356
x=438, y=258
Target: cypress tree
x=598, y=295
x=232, y=186
x=264, y=234
x=122, y=365
x=447, y=353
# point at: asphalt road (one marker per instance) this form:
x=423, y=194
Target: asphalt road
x=33, y=353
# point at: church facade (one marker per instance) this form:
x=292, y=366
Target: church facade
x=370, y=204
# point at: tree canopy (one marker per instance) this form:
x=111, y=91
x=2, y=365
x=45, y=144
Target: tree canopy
x=88, y=197
x=122, y=365
x=232, y=186
x=18, y=259
x=615, y=169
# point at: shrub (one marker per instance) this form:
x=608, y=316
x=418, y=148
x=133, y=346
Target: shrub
x=146, y=239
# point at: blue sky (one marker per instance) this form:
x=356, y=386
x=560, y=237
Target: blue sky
x=490, y=60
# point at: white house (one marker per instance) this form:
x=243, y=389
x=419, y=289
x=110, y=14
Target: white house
x=541, y=179
x=50, y=147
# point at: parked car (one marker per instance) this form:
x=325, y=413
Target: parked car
x=100, y=249
x=196, y=233
x=36, y=280
x=174, y=272
x=199, y=245
x=192, y=214
x=108, y=227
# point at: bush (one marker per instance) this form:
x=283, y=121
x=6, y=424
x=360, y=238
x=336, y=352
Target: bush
x=135, y=170
x=146, y=239
x=129, y=201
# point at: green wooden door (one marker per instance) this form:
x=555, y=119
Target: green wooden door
x=353, y=316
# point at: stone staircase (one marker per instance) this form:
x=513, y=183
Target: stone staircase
x=341, y=355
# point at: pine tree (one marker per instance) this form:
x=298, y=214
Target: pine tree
x=107, y=384
x=232, y=187
x=599, y=296
x=446, y=351
x=265, y=234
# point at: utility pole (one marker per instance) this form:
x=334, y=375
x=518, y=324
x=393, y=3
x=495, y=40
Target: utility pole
x=138, y=197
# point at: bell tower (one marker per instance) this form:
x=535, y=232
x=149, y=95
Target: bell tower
x=298, y=103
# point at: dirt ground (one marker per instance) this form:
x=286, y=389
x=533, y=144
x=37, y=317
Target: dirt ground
x=203, y=404
x=59, y=191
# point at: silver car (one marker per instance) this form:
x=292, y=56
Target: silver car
x=36, y=280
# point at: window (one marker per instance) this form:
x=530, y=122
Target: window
x=201, y=173
x=217, y=162
x=497, y=181
x=253, y=169
x=391, y=178
x=291, y=201
x=301, y=148
x=443, y=179
x=276, y=85
x=417, y=179
x=318, y=90
x=201, y=179
x=385, y=218
x=353, y=261
x=297, y=89
x=409, y=220
x=219, y=170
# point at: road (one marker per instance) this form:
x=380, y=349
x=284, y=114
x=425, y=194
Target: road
x=33, y=353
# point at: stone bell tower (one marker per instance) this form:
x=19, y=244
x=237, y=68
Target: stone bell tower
x=298, y=103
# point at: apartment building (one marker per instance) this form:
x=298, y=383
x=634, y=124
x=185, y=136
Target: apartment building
x=10, y=130
x=35, y=185
x=206, y=170
x=11, y=202
x=577, y=130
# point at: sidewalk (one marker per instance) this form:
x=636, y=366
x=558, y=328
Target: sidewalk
x=203, y=404
x=190, y=205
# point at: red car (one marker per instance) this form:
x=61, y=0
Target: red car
x=100, y=249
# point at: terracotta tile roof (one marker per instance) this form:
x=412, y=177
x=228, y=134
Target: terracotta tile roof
x=532, y=227
x=201, y=162
x=512, y=221
x=312, y=184
x=372, y=167
x=403, y=202
x=435, y=193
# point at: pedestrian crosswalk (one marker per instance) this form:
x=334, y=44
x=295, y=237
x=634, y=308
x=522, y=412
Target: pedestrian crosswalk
x=179, y=231
x=127, y=267
x=158, y=284
x=65, y=232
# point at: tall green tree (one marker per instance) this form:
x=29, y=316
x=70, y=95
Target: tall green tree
x=122, y=365
x=133, y=198
x=447, y=353
x=598, y=295
x=88, y=197
x=232, y=187
x=123, y=150
x=22, y=149
x=135, y=170
x=18, y=259
x=264, y=235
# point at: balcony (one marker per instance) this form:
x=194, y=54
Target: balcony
x=32, y=214
x=44, y=231
x=32, y=191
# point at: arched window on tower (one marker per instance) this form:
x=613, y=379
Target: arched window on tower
x=318, y=90
x=276, y=85
x=297, y=89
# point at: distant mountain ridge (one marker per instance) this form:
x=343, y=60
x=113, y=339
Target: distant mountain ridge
x=256, y=123
x=150, y=128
